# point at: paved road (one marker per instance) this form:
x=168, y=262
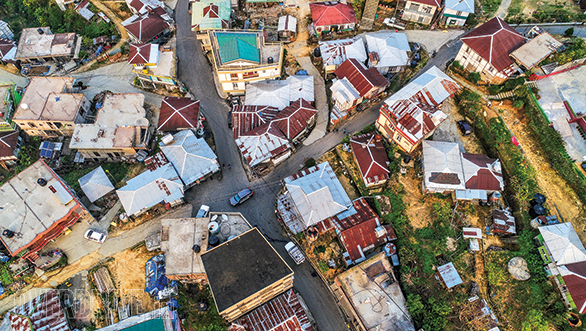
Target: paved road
x=195, y=72
x=503, y=9
x=557, y=28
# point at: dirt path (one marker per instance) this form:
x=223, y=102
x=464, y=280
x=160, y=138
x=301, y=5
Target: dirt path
x=552, y=185
x=118, y=22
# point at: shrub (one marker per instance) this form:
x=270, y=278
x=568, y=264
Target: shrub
x=569, y=32
x=319, y=249
x=456, y=64
x=518, y=104
x=323, y=266
x=474, y=77
x=310, y=162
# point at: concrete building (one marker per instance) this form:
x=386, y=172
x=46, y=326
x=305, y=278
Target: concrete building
x=37, y=206
x=242, y=57
x=120, y=129
x=535, y=50
x=456, y=12
x=245, y=273
x=359, y=285
x=179, y=237
x=486, y=50
x=50, y=108
x=414, y=112
x=419, y=11
x=41, y=45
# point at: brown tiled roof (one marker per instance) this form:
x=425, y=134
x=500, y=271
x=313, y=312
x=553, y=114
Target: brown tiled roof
x=371, y=156
x=345, y=220
x=178, y=113
x=139, y=53
x=443, y=178
x=5, y=46
x=577, y=284
x=364, y=80
x=8, y=142
x=283, y=313
x=363, y=235
x=293, y=119
x=494, y=41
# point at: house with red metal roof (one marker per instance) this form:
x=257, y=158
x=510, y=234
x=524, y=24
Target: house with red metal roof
x=148, y=26
x=469, y=176
x=367, y=83
x=264, y=147
x=247, y=118
x=419, y=11
x=332, y=16
x=44, y=312
x=487, y=50
x=414, y=112
x=9, y=144
x=359, y=230
x=178, y=114
x=371, y=156
x=295, y=119
x=282, y=313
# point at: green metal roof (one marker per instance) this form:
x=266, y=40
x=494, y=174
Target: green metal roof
x=238, y=46
x=210, y=21
x=150, y=325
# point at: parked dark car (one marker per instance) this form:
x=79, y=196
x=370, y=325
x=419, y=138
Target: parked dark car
x=241, y=196
x=230, y=119
x=416, y=56
x=464, y=127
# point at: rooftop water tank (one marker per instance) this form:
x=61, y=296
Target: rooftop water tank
x=167, y=139
x=213, y=241
x=214, y=228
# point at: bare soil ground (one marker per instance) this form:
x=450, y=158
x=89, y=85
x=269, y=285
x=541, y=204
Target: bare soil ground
x=128, y=275
x=342, y=174
x=116, y=7
x=531, y=6
x=559, y=195
x=419, y=208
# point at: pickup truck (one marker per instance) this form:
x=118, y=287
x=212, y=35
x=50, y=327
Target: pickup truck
x=294, y=252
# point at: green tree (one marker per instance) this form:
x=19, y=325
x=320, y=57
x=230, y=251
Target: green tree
x=474, y=77
x=534, y=322
x=569, y=32
x=416, y=307
x=518, y=103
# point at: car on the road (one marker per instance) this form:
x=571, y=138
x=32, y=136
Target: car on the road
x=230, y=119
x=241, y=196
x=464, y=127
x=204, y=210
x=95, y=235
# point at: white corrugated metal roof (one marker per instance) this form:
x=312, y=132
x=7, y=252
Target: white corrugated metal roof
x=150, y=188
x=262, y=143
x=335, y=52
x=317, y=194
x=442, y=157
x=563, y=243
x=343, y=91
x=301, y=87
x=191, y=156
x=391, y=48
x=287, y=23
x=274, y=93
x=449, y=275
x=95, y=184
x=431, y=81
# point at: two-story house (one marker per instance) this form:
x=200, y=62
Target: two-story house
x=209, y=15
x=414, y=112
x=456, y=12
x=154, y=65
x=40, y=45
x=242, y=57
x=486, y=50
x=419, y=11
x=332, y=16
x=48, y=107
x=120, y=130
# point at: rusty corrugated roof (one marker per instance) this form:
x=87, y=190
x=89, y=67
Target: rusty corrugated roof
x=43, y=313
x=294, y=119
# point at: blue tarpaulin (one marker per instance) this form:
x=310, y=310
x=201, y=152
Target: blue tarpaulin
x=155, y=275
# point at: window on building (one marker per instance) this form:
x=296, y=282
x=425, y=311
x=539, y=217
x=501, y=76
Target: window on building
x=458, y=13
x=32, y=125
x=398, y=138
x=491, y=69
x=250, y=74
x=117, y=154
x=426, y=9
x=57, y=125
x=97, y=154
x=466, y=49
x=234, y=86
x=110, y=155
x=233, y=76
x=414, y=7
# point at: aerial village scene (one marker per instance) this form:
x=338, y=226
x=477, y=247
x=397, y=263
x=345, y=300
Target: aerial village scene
x=292, y=165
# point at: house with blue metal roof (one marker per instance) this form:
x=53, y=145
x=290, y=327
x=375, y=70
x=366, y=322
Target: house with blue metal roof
x=456, y=12
x=240, y=57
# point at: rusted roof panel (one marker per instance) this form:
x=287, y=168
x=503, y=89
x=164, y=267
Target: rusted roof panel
x=364, y=80
x=178, y=113
x=371, y=156
x=294, y=119
x=247, y=118
x=43, y=313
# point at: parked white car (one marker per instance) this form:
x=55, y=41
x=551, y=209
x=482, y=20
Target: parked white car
x=96, y=236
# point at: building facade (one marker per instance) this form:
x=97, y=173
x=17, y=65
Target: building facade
x=420, y=11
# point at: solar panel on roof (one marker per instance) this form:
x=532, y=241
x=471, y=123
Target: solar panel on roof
x=46, y=153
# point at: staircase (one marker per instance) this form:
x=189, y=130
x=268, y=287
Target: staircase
x=510, y=94
x=369, y=14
